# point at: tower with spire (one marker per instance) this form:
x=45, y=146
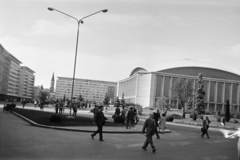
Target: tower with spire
x=52, y=84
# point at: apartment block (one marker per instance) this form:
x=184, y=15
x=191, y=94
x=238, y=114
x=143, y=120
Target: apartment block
x=4, y=71
x=92, y=90
x=14, y=76
x=16, y=81
x=26, y=82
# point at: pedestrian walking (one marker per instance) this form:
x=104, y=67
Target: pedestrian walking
x=95, y=110
x=117, y=111
x=123, y=113
x=75, y=105
x=41, y=106
x=56, y=107
x=223, y=121
x=130, y=118
x=136, y=118
x=162, y=122
x=205, y=125
x=100, y=121
x=149, y=127
x=35, y=103
x=156, y=118
x=61, y=107
x=24, y=103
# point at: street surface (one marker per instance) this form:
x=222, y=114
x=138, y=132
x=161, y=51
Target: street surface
x=20, y=141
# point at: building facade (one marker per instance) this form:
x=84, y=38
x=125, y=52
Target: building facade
x=14, y=77
x=92, y=90
x=149, y=88
x=26, y=83
x=16, y=81
x=4, y=71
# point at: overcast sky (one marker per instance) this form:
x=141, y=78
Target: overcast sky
x=133, y=33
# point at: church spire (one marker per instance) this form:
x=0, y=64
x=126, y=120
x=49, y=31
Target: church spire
x=52, y=83
x=53, y=77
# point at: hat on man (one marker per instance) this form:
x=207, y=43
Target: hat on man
x=100, y=107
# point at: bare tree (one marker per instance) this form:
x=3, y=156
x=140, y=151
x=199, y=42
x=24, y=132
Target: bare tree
x=184, y=92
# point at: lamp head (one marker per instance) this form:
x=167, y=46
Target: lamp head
x=50, y=9
x=105, y=10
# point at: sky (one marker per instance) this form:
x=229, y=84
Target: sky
x=133, y=33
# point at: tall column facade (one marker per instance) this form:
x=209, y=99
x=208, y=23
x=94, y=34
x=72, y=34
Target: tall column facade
x=230, y=96
x=170, y=90
x=223, y=96
x=208, y=94
x=162, y=87
x=136, y=91
x=238, y=97
x=215, y=96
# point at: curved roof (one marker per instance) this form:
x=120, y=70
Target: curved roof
x=137, y=70
x=171, y=66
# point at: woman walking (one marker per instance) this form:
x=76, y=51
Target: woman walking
x=162, y=122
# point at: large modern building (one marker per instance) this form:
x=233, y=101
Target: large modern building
x=26, y=83
x=4, y=71
x=92, y=90
x=14, y=76
x=147, y=88
x=16, y=82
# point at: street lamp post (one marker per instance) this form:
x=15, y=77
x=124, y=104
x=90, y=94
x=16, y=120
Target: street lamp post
x=78, y=22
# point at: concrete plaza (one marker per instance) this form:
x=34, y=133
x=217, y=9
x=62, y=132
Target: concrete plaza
x=20, y=140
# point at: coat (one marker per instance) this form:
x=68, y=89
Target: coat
x=130, y=115
x=100, y=118
x=204, y=124
x=162, y=123
x=149, y=126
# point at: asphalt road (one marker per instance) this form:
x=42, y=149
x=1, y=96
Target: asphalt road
x=21, y=141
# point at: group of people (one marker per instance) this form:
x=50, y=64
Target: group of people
x=150, y=127
x=130, y=115
x=60, y=107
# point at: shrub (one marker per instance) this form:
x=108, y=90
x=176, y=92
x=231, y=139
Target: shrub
x=191, y=115
x=119, y=119
x=169, y=118
x=177, y=116
x=194, y=116
x=56, y=118
x=209, y=112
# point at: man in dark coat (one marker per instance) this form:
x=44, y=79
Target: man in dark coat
x=117, y=111
x=130, y=118
x=156, y=118
x=100, y=121
x=149, y=126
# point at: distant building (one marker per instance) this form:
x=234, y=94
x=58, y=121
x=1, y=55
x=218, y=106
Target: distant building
x=16, y=82
x=92, y=90
x=26, y=83
x=149, y=88
x=14, y=76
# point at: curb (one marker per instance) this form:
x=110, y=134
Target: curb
x=77, y=130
